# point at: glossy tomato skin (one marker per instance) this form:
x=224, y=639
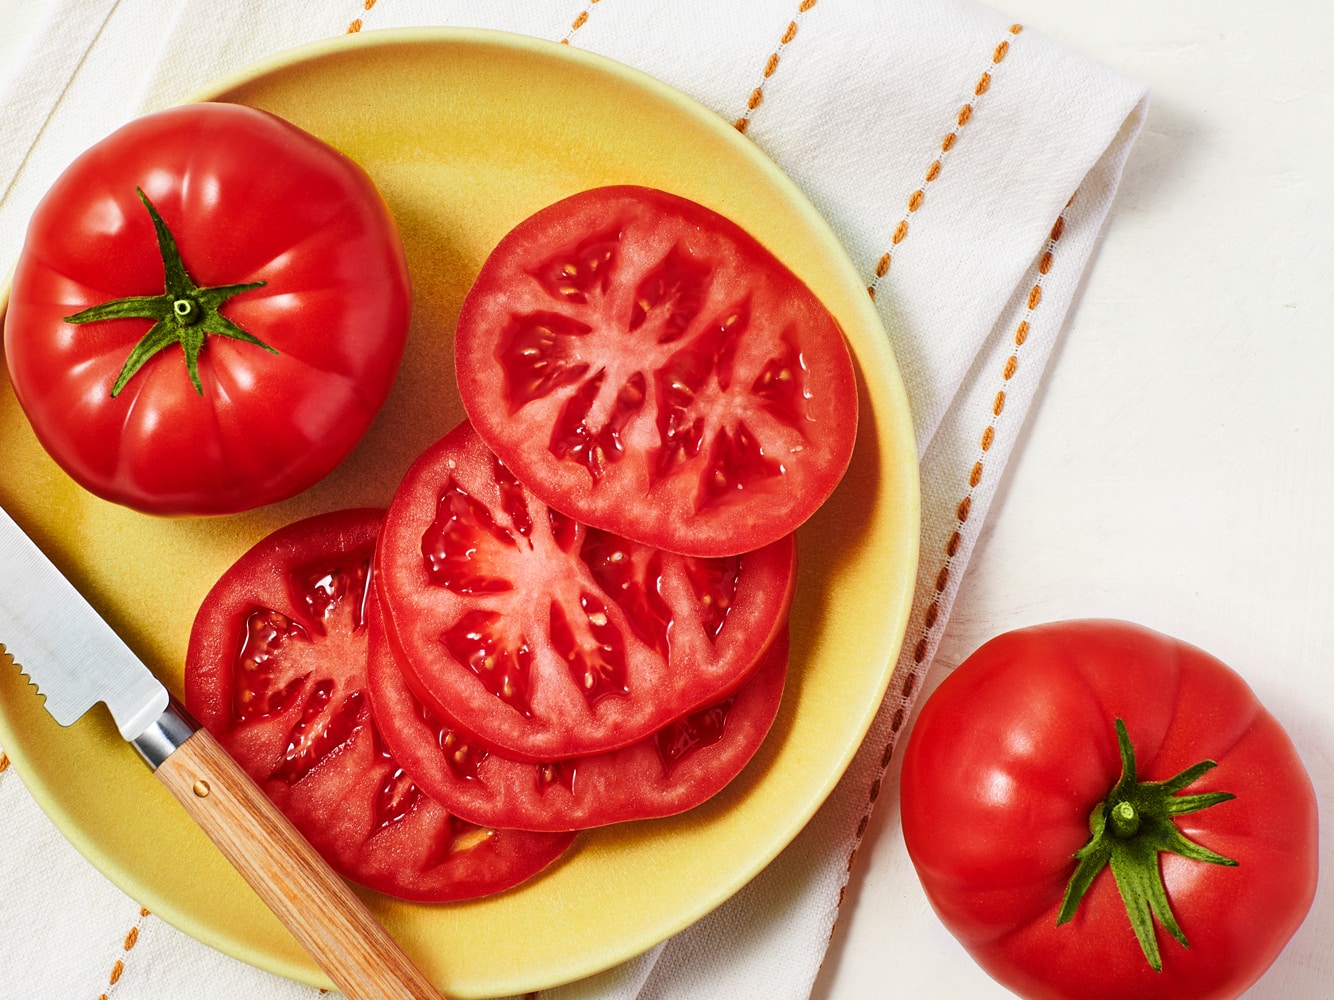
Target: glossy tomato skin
x=651, y=369
x=547, y=639
x=1013, y=751
x=248, y=197
x=276, y=671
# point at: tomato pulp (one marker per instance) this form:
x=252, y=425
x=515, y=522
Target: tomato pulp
x=548, y=639
x=678, y=767
x=647, y=367
x=276, y=670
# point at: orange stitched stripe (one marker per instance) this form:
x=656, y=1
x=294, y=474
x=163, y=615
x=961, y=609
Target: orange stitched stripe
x=756, y=97
x=4, y=762
x=355, y=26
x=961, y=119
x=580, y=20
x=132, y=936
x=931, y=616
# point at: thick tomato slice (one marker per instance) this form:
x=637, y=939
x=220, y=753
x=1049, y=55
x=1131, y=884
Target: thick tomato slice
x=675, y=769
x=550, y=639
x=650, y=369
x=276, y=670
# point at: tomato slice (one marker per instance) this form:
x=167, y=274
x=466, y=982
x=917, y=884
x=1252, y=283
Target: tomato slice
x=276, y=670
x=675, y=769
x=549, y=639
x=648, y=368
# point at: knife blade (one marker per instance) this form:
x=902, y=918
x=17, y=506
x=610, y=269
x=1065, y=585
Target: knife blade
x=45, y=617
x=75, y=660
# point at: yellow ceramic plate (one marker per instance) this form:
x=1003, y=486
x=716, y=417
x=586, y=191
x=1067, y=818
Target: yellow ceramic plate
x=466, y=133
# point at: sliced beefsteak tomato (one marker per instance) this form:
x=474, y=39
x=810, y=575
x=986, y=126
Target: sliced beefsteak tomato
x=647, y=367
x=683, y=764
x=276, y=670
x=1078, y=795
x=209, y=308
x=548, y=639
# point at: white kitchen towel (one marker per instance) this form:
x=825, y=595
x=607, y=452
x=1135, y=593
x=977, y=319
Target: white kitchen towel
x=967, y=163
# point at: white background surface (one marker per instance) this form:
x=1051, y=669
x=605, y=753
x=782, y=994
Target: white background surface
x=1177, y=467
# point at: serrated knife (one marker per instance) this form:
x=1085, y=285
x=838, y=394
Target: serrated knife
x=75, y=659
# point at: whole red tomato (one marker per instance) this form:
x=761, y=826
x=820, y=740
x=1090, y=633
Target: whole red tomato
x=1072, y=783
x=209, y=308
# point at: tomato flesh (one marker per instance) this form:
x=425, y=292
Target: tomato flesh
x=648, y=368
x=277, y=671
x=550, y=639
x=680, y=766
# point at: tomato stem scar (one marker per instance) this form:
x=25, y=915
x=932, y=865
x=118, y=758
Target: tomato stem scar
x=183, y=305
x=1125, y=819
x=186, y=310
x=1130, y=828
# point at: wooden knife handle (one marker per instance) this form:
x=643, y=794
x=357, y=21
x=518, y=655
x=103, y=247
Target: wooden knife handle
x=313, y=902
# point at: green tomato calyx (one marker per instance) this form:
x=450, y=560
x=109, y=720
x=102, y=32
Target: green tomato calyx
x=185, y=313
x=1130, y=828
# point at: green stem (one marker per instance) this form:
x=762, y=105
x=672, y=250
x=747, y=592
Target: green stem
x=184, y=313
x=1130, y=828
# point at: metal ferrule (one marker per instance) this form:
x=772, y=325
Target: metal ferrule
x=171, y=729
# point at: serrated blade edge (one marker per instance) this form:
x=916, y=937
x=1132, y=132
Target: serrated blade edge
x=64, y=647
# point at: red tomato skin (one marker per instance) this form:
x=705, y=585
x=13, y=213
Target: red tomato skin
x=1012, y=752
x=248, y=197
x=738, y=276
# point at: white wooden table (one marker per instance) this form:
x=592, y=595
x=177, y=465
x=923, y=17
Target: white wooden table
x=1177, y=469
